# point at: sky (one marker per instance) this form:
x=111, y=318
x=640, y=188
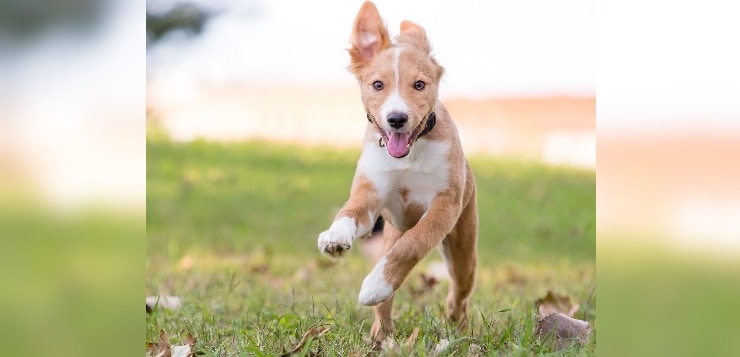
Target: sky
x=660, y=60
x=665, y=66
x=487, y=47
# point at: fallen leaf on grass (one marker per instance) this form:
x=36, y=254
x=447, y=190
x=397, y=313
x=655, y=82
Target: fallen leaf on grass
x=390, y=345
x=314, y=332
x=163, y=301
x=427, y=283
x=181, y=351
x=558, y=331
x=553, y=303
x=441, y=347
x=475, y=350
x=435, y=273
x=164, y=349
x=190, y=340
x=161, y=348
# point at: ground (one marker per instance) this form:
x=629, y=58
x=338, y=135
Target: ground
x=232, y=228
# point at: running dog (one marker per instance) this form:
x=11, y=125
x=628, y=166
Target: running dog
x=412, y=171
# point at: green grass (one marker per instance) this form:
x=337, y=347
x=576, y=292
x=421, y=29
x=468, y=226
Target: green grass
x=247, y=215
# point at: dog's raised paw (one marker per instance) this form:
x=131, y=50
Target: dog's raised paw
x=332, y=248
x=338, y=239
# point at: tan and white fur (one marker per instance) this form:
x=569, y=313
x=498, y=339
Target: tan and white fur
x=421, y=185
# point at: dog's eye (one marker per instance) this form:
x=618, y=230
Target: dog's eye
x=378, y=85
x=419, y=85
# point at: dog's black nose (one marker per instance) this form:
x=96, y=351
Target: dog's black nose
x=397, y=120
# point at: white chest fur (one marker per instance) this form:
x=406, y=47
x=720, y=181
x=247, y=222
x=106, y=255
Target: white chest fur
x=415, y=179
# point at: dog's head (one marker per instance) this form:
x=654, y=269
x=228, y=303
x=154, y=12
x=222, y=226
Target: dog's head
x=398, y=80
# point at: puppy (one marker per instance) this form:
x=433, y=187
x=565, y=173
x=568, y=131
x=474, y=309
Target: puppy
x=412, y=171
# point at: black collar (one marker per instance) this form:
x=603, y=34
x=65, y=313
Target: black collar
x=431, y=122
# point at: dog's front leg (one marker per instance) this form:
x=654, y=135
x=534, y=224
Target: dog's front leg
x=355, y=220
x=411, y=248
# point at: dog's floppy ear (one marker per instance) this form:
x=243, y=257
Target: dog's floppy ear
x=369, y=36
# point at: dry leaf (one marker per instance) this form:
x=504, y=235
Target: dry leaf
x=390, y=345
x=435, y=272
x=440, y=347
x=475, y=350
x=553, y=303
x=182, y=351
x=411, y=340
x=161, y=349
x=559, y=331
x=190, y=340
x=164, y=349
x=427, y=282
x=163, y=340
x=163, y=301
x=315, y=332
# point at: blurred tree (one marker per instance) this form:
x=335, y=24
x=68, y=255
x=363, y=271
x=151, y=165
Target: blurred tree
x=183, y=16
x=24, y=21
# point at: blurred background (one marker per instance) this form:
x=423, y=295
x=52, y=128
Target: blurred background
x=72, y=175
x=668, y=199
x=518, y=82
x=73, y=152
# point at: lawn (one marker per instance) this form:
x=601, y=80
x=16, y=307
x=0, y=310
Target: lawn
x=232, y=228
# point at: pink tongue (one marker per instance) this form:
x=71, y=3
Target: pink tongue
x=397, y=145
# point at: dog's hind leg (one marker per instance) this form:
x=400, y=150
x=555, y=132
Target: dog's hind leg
x=383, y=324
x=460, y=252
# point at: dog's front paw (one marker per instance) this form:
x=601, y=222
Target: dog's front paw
x=338, y=239
x=375, y=288
x=334, y=245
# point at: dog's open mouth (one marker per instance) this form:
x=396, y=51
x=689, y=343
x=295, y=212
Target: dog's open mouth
x=397, y=144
